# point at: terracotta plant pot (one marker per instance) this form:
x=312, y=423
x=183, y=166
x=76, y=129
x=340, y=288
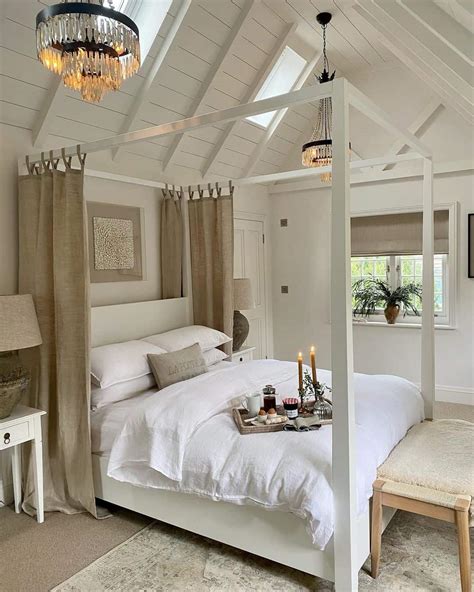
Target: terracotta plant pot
x=391, y=313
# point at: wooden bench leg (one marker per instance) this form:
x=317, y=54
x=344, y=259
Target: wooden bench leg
x=462, y=523
x=376, y=534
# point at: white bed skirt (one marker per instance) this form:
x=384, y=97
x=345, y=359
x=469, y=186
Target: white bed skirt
x=275, y=535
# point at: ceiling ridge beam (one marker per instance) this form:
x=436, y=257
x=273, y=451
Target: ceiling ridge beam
x=411, y=59
x=141, y=96
x=209, y=81
x=426, y=115
x=260, y=148
x=443, y=26
x=251, y=93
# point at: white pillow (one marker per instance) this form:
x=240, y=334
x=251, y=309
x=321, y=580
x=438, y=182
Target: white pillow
x=121, y=391
x=118, y=362
x=212, y=356
x=186, y=336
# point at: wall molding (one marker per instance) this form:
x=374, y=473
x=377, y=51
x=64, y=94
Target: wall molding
x=455, y=394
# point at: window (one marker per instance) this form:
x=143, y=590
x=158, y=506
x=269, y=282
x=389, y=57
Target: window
x=148, y=16
x=281, y=80
x=411, y=270
x=402, y=270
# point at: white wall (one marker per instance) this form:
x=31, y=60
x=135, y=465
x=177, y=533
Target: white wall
x=148, y=198
x=16, y=143
x=301, y=260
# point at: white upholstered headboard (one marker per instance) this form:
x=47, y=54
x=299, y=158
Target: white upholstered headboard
x=123, y=322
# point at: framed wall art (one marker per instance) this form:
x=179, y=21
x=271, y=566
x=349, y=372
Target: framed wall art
x=115, y=242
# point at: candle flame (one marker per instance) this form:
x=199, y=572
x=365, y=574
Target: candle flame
x=313, y=349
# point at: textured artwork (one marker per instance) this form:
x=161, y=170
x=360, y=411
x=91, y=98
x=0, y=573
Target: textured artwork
x=115, y=242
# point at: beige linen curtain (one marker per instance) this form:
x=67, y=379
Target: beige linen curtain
x=171, y=246
x=54, y=269
x=212, y=261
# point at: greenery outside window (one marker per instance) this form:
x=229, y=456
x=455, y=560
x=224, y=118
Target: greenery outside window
x=400, y=270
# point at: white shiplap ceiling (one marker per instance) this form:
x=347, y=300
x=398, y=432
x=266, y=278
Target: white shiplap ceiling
x=218, y=58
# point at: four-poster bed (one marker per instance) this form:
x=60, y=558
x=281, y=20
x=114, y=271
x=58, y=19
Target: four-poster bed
x=348, y=549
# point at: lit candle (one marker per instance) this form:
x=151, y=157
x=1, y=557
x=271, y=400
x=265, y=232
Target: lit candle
x=300, y=370
x=312, y=355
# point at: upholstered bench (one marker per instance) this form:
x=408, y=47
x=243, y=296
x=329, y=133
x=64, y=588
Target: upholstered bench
x=430, y=472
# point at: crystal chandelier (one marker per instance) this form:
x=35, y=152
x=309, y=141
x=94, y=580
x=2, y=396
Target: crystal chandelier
x=318, y=151
x=92, y=47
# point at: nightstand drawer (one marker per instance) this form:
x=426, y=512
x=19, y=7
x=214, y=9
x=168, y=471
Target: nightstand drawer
x=243, y=355
x=14, y=435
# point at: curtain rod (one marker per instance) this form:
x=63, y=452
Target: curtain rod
x=298, y=97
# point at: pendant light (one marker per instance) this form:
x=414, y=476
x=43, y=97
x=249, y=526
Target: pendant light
x=318, y=151
x=93, y=48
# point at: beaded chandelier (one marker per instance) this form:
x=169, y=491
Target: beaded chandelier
x=92, y=47
x=318, y=151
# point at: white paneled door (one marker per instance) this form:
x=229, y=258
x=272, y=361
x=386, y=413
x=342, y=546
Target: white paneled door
x=249, y=262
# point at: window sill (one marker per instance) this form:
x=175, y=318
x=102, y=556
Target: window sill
x=400, y=325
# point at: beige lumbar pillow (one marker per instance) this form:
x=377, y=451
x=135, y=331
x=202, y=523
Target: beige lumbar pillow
x=178, y=365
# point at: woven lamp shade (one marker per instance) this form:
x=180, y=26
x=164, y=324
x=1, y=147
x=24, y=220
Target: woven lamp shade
x=18, y=323
x=243, y=297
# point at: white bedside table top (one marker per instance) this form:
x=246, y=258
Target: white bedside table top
x=244, y=350
x=20, y=412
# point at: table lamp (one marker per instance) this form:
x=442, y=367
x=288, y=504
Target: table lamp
x=243, y=300
x=18, y=330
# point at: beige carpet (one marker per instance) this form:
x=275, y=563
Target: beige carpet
x=418, y=554
x=36, y=557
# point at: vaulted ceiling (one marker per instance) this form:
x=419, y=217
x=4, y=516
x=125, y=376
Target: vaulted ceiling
x=214, y=54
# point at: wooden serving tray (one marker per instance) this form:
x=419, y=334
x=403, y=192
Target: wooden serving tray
x=247, y=428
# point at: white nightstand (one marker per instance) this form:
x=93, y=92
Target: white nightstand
x=245, y=354
x=24, y=425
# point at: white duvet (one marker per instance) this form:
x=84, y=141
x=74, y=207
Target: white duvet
x=183, y=438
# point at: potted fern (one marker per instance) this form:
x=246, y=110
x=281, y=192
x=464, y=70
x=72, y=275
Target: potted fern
x=371, y=293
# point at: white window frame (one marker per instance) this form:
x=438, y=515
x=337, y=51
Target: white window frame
x=446, y=320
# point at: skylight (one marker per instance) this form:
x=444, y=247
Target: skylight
x=281, y=80
x=148, y=15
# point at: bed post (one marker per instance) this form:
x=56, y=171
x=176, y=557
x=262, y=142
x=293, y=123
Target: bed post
x=343, y=429
x=427, y=319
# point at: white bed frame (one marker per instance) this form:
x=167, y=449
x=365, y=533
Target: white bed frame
x=276, y=535
x=350, y=532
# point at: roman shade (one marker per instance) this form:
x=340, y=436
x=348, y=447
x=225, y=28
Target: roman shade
x=397, y=234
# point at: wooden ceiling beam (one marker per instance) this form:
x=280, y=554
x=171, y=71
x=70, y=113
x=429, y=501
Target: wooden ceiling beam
x=132, y=117
x=406, y=50
x=443, y=26
x=460, y=13
x=426, y=116
x=209, y=82
x=251, y=93
x=55, y=95
x=434, y=51
x=279, y=116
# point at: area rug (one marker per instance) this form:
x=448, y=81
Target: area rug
x=418, y=554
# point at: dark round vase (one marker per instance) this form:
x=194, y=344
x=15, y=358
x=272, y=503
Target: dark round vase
x=241, y=330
